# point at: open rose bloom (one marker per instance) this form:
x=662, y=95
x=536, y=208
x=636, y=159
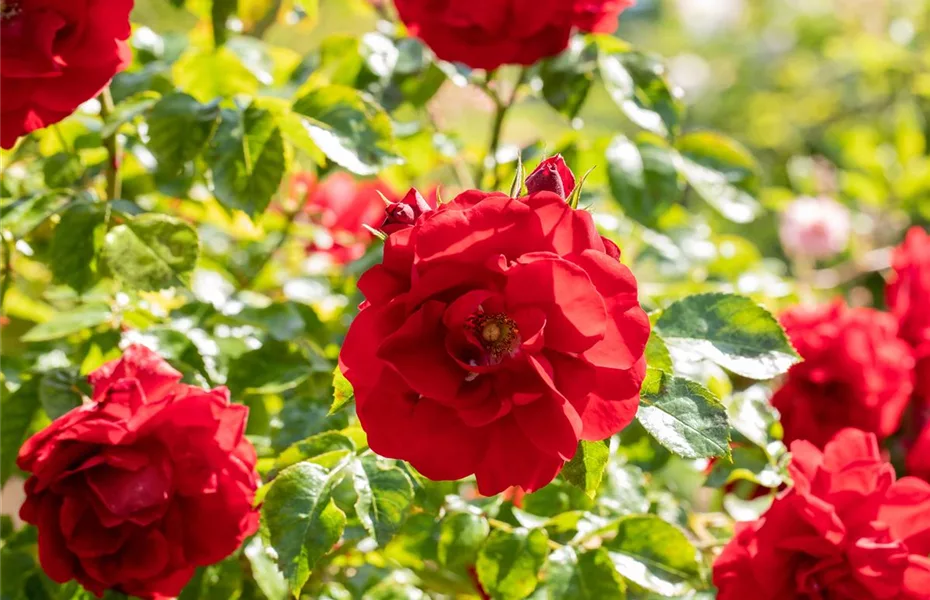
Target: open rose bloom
x=55, y=55
x=496, y=334
x=151, y=479
x=845, y=530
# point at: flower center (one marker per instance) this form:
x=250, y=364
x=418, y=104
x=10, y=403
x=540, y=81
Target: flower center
x=8, y=10
x=497, y=333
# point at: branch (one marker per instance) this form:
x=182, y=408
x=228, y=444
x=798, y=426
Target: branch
x=111, y=143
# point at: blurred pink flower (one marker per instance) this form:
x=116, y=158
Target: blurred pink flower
x=815, y=228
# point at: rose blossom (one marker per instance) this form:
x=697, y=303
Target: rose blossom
x=342, y=206
x=918, y=456
x=552, y=175
x=405, y=212
x=496, y=334
x=815, y=228
x=855, y=373
x=908, y=298
x=137, y=488
x=485, y=34
x=55, y=55
x=846, y=529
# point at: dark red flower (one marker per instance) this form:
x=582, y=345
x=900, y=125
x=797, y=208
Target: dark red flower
x=908, y=297
x=552, y=175
x=55, y=55
x=485, y=34
x=918, y=455
x=855, y=373
x=496, y=334
x=846, y=530
x=404, y=213
x=342, y=206
x=151, y=479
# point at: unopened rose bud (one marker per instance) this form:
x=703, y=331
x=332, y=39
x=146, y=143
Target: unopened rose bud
x=814, y=228
x=552, y=175
x=403, y=214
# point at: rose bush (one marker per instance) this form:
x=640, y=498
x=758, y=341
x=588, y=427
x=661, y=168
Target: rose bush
x=846, y=529
x=147, y=481
x=856, y=373
x=491, y=33
x=496, y=334
x=55, y=55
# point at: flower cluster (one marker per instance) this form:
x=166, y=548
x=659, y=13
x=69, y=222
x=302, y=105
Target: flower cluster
x=55, y=55
x=496, y=333
x=149, y=480
x=490, y=33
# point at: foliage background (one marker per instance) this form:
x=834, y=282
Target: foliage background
x=699, y=128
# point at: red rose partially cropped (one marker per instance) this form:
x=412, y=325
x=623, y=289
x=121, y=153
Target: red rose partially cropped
x=485, y=34
x=55, y=55
x=342, y=206
x=846, y=530
x=908, y=297
x=918, y=456
x=134, y=490
x=496, y=334
x=855, y=373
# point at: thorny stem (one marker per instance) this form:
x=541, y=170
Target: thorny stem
x=497, y=524
x=7, y=275
x=111, y=143
x=291, y=217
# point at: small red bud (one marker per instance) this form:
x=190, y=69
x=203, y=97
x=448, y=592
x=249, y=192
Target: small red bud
x=552, y=175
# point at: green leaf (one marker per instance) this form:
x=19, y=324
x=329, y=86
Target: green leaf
x=59, y=392
x=326, y=449
x=683, y=416
x=730, y=330
x=63, y=324
x=653, y=554
x=587, y=576
x=657, y=356
x=271, y=369
x=567, y=78
x=249, y=160
x=350, y=128
x=215, y=73
x=17, y=410
x=722, y=172
x=62, y=169
x=23, y=215
x=342, y=391
x=152, y=252
x=643, y=176
x=300, y=520
x=586, y=468
x=266, y=574
x=461, y=535
x=384, y=497
x=509, y=562
x=75, y=244
x=637, y=84
x=179, y=128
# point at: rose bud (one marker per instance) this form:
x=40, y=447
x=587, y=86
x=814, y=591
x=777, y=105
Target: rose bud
x=552, y=175
x=403, y=214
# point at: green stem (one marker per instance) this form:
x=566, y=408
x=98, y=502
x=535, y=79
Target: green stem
x=497, y=524
x=291, y=217
x=497, y=128
x=114, y=151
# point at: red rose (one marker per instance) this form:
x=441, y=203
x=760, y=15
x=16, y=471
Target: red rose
x=552, y=175
x=151, y=479
x=496, y=334
x=856, y=373
x=599, y=16
x=908, y=297
x=54, y=55
x=918, y=456
x=485, y=34
x=845, y=530
x=342, y=206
